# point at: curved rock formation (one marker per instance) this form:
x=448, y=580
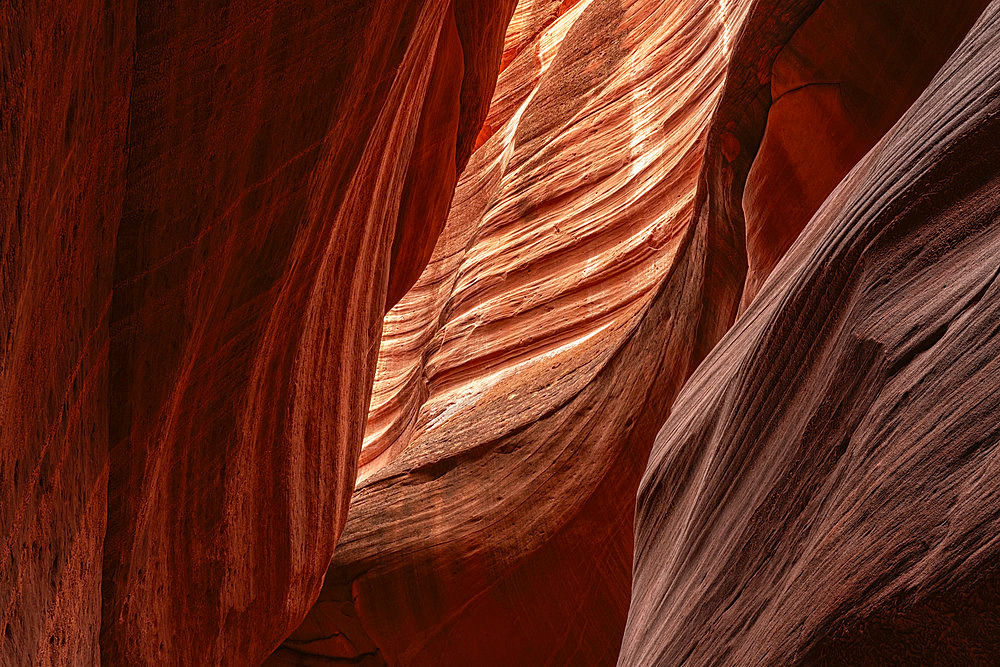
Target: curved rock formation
x=574, y=288
x=823, y=489
x=521, y=381
x=839, y=83
x=289, y=168
x=241, y=277
x=266, y=175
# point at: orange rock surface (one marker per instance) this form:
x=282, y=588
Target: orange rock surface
x=521, y=380
x=845, y=76
x=346, y=331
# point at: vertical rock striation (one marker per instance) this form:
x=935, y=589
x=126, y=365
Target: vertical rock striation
x=65, y=74
x=273, y=155
x=206, y=209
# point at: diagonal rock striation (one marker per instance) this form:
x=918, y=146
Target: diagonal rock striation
x=575, y=287
x=460, y=258
x=521, y=380
x=822, y=491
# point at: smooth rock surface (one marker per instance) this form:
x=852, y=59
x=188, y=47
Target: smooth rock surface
x=839, y=83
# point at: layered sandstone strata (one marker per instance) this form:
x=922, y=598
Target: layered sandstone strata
x=576, y=285
x=522, y=379
x=208, y=208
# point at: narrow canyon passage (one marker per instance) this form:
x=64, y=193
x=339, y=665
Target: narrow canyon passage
x=515, y=400
x=824, y=489
x=520, y=332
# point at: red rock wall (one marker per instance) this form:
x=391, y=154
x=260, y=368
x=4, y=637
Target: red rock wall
x=207, y=208
x=845, y=76
x=520, y=381
x=512, y=409
x=823, y=489
x=65, y=75
x=225, y=346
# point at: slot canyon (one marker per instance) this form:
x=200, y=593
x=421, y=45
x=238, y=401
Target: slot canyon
x=500, y=332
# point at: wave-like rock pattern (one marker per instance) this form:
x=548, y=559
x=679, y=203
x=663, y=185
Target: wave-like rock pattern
x=266, y=176
x=576, y=285
x=823, y=491
x=207, y=208
x=521, y=380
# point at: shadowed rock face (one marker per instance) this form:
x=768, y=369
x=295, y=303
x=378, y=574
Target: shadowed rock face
x=192, y=330
x=267, y=172
x=837, y=85
x=823, y=490
x=583, y=273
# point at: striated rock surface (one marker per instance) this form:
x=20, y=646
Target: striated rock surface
x=823, y=492
x=522, y=379
x=240, y=277
x=65, y=74
x=192, y=330
x=273, y=151
x=584, y=271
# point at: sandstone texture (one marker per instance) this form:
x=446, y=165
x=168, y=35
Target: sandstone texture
x=65, y=77
x=522, y=379
x=207, y=209
x=252, y=273
x=837, y=85
x=506, y=332
x=587, y=266
x=824, y=490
